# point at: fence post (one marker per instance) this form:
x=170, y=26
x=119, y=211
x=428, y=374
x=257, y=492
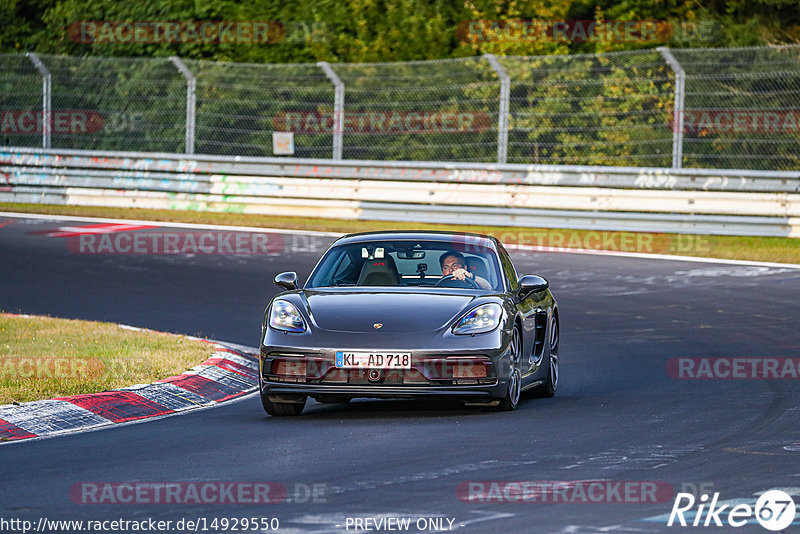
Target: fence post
x=678, y=115
x=338, y=108
x=503, y=112
x=47, y=90
x=191, y=84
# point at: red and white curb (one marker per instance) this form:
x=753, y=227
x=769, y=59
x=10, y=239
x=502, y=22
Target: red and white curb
x=230, y=372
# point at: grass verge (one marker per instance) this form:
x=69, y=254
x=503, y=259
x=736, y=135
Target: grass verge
x=44, y=357
x=772, y=249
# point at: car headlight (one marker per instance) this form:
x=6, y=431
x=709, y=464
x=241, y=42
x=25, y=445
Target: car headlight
x=284, y=316
x=480, y=320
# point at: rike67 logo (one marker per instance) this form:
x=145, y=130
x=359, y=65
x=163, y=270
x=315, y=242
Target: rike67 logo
x=774, y=510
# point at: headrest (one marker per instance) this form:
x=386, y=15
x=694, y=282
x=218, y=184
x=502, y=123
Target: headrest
x=379, y=272
x=477, y=266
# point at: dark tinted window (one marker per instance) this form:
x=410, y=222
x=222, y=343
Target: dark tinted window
x=508, y=269
x=400, y=263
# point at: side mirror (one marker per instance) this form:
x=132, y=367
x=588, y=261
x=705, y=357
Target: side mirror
x=287, y=280
x=531, y=283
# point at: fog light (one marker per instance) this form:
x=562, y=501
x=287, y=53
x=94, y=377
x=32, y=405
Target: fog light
x=469, y=369
x=289, y=367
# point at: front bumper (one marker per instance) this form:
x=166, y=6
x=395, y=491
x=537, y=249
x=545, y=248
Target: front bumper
x=474, y=371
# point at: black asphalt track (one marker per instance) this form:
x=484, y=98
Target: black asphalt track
x=618, y=415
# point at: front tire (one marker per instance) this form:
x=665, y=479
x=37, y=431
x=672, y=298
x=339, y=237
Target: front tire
x=511, y=400
x=548, y=389
x=280, y=409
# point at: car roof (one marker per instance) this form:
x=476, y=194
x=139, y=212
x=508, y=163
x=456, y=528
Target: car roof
x=418, y=235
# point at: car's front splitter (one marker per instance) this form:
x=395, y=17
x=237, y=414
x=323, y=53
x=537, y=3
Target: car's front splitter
x=381, y=391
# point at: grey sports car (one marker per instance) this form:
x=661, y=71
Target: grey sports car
x=409, y=314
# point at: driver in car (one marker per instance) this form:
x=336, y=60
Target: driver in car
x=453, y=263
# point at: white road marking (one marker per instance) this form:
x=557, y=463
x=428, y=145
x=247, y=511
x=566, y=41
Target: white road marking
x=746, y=272
x=164, y=224
x=529, y=248
x=588, y=529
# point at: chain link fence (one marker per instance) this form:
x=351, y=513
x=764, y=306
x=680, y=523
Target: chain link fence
x=759, y=88
x=92, y=103
x=611, y=109
x=704, y=108
x=240, y=105
x=21, y=88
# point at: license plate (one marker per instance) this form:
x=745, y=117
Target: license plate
x=373, y=360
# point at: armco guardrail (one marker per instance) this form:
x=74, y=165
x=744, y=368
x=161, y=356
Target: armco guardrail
x=610, y=198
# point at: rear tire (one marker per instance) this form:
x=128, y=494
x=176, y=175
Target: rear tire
x=511, y=400
x=280, y=409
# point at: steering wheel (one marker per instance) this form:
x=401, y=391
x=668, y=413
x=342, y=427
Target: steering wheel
x=467, y=280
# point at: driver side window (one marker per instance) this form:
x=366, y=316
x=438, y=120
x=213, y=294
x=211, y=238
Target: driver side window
x=508, y=269
x=343, y=264
x=346, y=271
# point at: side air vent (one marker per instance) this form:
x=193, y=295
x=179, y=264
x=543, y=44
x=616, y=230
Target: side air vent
x=539, y=338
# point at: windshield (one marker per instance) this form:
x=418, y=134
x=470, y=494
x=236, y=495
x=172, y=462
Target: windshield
x=406, y=263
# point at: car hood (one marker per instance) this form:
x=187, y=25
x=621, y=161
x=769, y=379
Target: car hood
x=394, y=312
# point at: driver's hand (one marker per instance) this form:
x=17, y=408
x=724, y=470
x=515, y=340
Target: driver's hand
x=460, y=274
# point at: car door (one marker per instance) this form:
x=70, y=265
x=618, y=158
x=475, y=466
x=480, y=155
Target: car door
x=533, y=317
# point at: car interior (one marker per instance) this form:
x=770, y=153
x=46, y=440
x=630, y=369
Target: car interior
x=399, y=264
x=379, y=272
